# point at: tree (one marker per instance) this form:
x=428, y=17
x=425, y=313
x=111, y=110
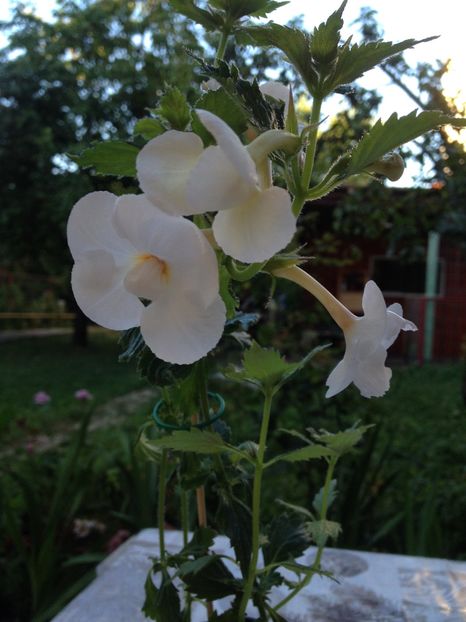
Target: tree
x=86, y=76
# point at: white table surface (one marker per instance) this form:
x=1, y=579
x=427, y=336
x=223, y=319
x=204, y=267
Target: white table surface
x=372, y=587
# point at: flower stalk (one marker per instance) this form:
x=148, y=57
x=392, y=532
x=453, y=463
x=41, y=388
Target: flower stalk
x=256, y=504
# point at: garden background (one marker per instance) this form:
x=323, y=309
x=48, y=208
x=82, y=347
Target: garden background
x=73, y=483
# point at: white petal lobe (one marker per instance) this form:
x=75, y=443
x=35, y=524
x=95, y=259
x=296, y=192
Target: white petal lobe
x=183, y=331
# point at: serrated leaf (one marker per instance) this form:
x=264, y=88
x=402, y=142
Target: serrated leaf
x=110, y=158
x=163, y=603
x=343, y=442
x=235, y=521
x=148, y=128
x=298, y=509
x=212, y=579
x=326, y=37
x=331, y=496
x=201, y=540
x=174, y=108
x=236, y=9
x=287, y=539
x=223, y=105
x=294, y=43
x=210, y=21
x=267, y=369
x=384, y=137
x=354, y=60
x=322, y=530
x=310, y=452
x=263, y=367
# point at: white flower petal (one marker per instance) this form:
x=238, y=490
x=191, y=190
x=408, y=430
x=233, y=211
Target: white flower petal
x=277, y=90
x=97, y=285
x=258, y=229
x=184, y=330
x=131, y=214
x=231, y=145
x=395, y=323
x=90, y=226
x=164, y=166
x=215, y=184
x=371, y=376
x=373, y=302
x=339, y=379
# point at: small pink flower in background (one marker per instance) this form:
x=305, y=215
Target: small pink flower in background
x=30, y=447
x=83, y=395
x=118, y=538
x=41, y=397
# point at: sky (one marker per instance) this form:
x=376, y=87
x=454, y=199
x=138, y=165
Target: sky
x=400, y=19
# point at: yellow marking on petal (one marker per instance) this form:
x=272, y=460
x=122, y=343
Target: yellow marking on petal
x=160, y=264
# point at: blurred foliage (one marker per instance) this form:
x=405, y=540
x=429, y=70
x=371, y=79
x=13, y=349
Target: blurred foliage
x=86, y=76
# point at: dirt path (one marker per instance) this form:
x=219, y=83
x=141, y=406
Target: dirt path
x=109, y=414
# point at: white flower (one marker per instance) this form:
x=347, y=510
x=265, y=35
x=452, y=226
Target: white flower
x=278, y=91
x=182, y=178
x=125, y=250
x=367, y=338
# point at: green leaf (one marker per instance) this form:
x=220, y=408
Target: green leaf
x=385, y=137
x=287, y=538
x=326, y=37
x=321, y=530
x=266, y=369
x=147, y=448
x=343, y=442
x=208, y=19
x=228, y=297
x=236, y=9
x=210, y=579
x=174, y=108
x=298, y=509
x=202, y=539
x=310, y=452
x=234, y=519
x=148, y=128
x=331, y=496
x=354, y=60
x=163, y=603
x=262, y=367
x=111, y=158
x=193, y=440
x=223, y=105
x=294, y=43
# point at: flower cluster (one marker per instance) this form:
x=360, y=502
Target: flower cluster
x=140, y=262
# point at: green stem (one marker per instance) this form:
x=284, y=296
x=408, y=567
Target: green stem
x=256, y=504
x=184, y=501
x=312, y=144
x=222, y=44
x=161, y=503
x=243, y=274
x=320, y=549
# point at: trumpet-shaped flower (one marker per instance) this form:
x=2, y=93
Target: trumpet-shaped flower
x=126, y=251
x=367, y=338
x=182, y=178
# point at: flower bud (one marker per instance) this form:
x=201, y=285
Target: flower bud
x=391, y=165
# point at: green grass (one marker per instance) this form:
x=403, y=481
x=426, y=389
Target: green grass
x=54, y=365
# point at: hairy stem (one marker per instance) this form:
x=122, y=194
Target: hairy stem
x=320, y=549
x=256, y=504
x=161, y=502
x=312, y=144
